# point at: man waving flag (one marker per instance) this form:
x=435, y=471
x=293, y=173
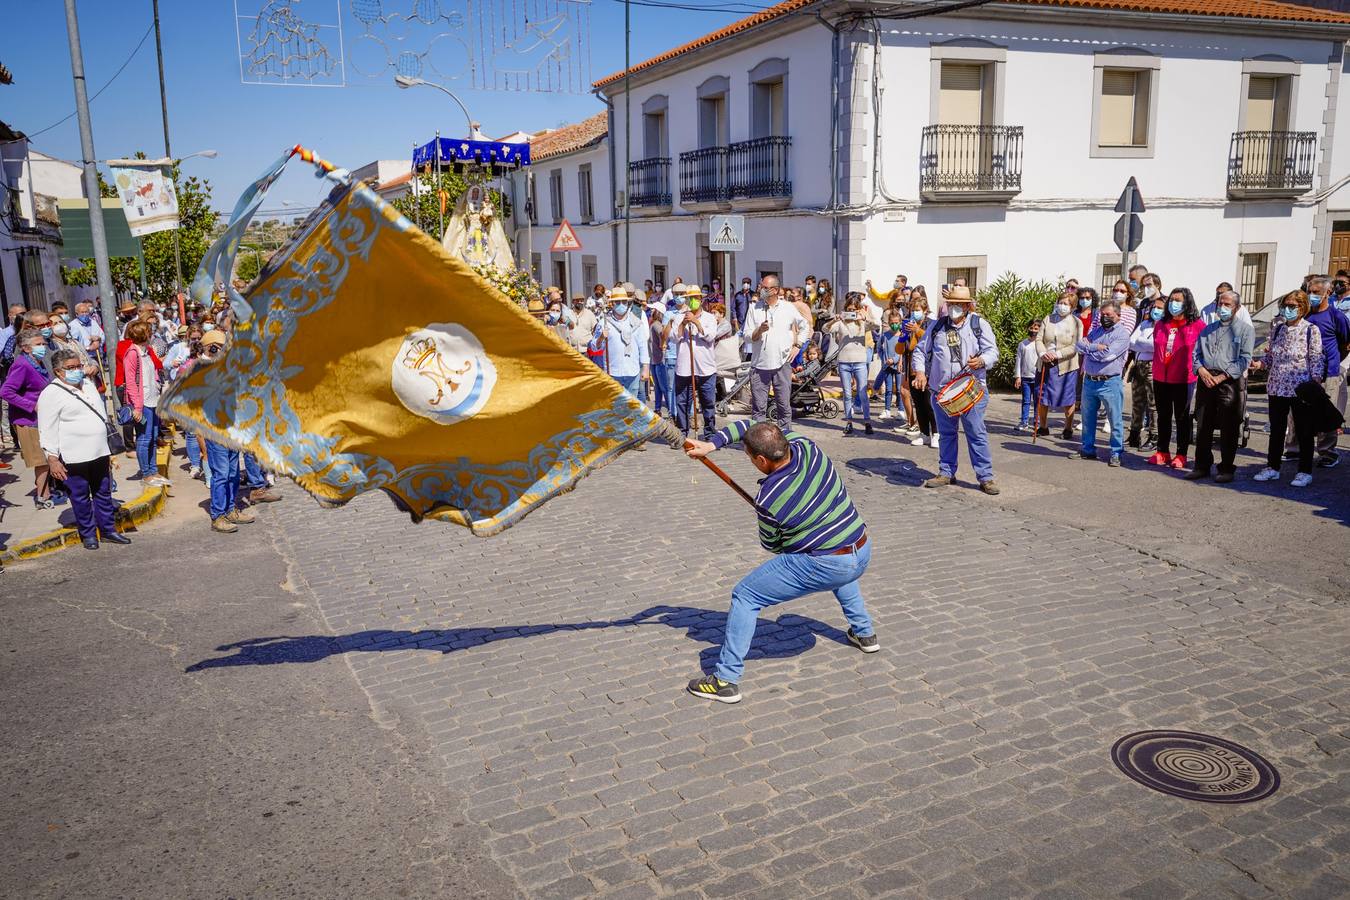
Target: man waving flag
x=366, y=357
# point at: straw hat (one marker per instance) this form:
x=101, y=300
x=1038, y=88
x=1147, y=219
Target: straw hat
x=618, y=293
x=959, y=292
x=693, y=291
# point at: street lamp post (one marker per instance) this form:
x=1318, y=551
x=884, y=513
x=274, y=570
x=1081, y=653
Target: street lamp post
x=475, y=132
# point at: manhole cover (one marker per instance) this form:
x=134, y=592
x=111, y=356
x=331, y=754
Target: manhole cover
x=1195, y=766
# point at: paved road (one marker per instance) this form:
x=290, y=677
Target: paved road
x=530, y=686
x=125, y=776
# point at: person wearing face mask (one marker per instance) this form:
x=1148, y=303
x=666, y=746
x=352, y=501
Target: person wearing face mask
x=740, y=304
x=142, y=392
x=892, y=353
x=73, y=434
x=1222, y=356
x=694, y=334
x=1294, y=354
x=922, y=428
x=1335, y=329
x=776, y=331
x=62, y=340
x=849, y=332
x=1136, y=278
x=1103, y=351
x=959, y=342
x=1174, y=376
x=1026, y=375
x=23, y=385
x=583, y=325
x=1057, y=347
x=1140, y=375
x=553, y=320
x=1123, y=294
x=621, y=339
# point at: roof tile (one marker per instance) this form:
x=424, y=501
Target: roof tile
x=569, y=137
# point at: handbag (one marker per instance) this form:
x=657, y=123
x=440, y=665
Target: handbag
x=116, y=444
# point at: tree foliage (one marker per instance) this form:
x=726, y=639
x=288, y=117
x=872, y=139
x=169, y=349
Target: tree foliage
x=196, y=221
x=1008, y=304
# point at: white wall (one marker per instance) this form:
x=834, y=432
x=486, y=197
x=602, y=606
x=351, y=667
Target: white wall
x=595, y=236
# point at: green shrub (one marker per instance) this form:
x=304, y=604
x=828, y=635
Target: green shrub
x=1008, y=304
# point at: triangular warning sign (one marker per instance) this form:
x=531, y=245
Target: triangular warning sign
x=566, y=239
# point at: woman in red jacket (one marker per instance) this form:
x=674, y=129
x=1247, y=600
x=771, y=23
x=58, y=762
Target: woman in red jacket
x=1174, y=339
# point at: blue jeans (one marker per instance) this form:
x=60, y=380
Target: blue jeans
x=224, y=465
x=146, y=434
x=193, y=448
x=630, y=383
x=707, y=401
x=1112, y=394
x=1028, y=401
x=977, y=440
x=254, y=479
x=853, y=377
x=661, y=385
x=787, y=577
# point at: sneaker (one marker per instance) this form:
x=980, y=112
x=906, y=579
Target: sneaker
x=848, y=428
x=1150, y=444
x=1179, y=461
x=917, y=440
x=1329, y=460
x=44, y=503
x=241, y=517
x=263, y=495
x=1114, y=461
x=938, y=481
x=1196, y=475
x=156, y=481
x=1079, y=454
x=60, y=498
x=989, y=488
x=1020, y=427
x=224, y=525
x=867, y=428
x=866, y=644
x=195, y=473
x=1159, y=459
x=710, y=687
x=1302, y=479
x=913, y=429
x=883, y=415
x=933, y=441
x=1267, y=474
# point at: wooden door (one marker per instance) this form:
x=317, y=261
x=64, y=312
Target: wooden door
x=1340, y=251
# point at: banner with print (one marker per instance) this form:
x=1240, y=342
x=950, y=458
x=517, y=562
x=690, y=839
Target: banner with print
x=148, y=197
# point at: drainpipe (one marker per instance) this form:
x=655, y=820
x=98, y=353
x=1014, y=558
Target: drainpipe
x=834, y=152
x=613, y=184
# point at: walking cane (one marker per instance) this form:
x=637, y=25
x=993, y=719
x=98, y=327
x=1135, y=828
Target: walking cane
x=693, y=378
x=1040, y=395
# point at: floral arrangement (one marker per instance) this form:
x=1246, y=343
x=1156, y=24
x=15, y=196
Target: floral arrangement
x=514, y=283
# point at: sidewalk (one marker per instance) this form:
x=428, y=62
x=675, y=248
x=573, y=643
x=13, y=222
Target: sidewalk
x=26, y=531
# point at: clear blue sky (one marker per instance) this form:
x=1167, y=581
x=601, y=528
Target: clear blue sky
x=209, y=107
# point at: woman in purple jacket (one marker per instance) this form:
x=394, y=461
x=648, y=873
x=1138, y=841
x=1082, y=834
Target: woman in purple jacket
x=26, y=379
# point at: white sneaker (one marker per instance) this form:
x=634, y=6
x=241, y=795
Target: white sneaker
x=914, y=429
x=1302, y=479
x=917, y=440
x=1267, y=474
x=883, y=415
x=1106, y=428
x=933, y=442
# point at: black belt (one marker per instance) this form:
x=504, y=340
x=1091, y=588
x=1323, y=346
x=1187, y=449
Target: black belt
x=1099, y=377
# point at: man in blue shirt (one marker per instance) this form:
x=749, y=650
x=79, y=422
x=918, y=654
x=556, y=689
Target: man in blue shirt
x=1104, y=351
x=1222, y=354
x=958, y=343
x=740, y=304
x=1335, y=328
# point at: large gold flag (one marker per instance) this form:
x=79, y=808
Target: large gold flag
x=367, y=357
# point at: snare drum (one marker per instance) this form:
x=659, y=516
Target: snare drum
x=957, y=396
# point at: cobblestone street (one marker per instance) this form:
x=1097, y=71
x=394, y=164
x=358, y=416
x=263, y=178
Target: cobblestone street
x=971, y=757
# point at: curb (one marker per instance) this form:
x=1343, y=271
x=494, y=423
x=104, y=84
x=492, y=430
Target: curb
x=129, y=515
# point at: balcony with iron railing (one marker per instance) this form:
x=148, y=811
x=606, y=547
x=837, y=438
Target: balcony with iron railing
x=703, y=178
x=1271, y=164
x=649, y=186
x=971, y=163
x=759, y=172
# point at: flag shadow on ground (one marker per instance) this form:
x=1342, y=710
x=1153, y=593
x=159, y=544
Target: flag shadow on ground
x=788, y=635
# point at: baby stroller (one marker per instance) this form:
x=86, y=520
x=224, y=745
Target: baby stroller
x=734, y=389
x=806, y=398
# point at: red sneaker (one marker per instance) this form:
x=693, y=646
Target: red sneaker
x=1159, y=459
x=1179, y=462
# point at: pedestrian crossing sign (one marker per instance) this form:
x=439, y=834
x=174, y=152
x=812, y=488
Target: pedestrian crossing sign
x=726, y=234
x=566, y=239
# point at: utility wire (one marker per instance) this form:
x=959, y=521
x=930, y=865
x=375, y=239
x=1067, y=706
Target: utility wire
x=106, y=85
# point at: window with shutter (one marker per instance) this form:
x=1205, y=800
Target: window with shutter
x=961, y=94
x=1124, y=108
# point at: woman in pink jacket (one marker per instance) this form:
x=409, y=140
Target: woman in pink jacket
x=142, y=387
x=1174, y=339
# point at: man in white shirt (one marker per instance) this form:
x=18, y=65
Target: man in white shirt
x=776, y=331
x=695, y=328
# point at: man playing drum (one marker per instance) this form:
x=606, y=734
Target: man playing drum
x=954, y=357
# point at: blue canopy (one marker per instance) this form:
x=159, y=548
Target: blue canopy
x=458, y=154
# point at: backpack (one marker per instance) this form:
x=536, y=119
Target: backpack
x=946, y=322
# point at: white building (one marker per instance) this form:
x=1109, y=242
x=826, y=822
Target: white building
x=30, y=232
x=995, y=139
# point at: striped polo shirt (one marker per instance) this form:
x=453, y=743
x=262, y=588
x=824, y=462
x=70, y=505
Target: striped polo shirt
x=803, y=507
